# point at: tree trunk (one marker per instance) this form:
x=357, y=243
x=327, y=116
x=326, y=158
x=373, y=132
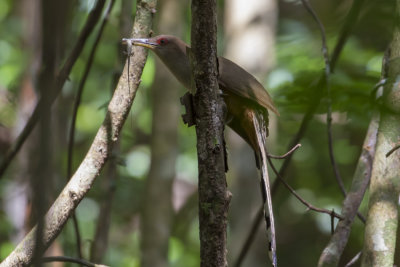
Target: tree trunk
x=381, y=227
x=213, y=195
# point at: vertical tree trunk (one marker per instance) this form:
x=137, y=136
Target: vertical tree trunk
x=213, y=195
x=381, y=227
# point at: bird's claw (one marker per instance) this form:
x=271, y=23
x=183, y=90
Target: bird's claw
x=189, y=117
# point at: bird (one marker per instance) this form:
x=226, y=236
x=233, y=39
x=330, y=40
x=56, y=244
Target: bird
x=247, y=104
x=241, y=91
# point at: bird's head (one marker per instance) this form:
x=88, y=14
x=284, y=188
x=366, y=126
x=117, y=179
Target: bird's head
x=171, y=50
x=160, y=44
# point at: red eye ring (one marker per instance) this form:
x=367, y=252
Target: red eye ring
x=162, y=41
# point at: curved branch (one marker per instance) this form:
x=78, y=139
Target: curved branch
x=100, y=149
x=286, y=154
x=309, y=206
x=72, y=260
x=327, y=73
x=347, y=28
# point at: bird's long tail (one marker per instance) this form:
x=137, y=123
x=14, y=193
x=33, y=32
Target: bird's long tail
x=261, y=133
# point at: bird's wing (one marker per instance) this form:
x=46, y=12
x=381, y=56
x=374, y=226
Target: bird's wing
x=235, y=79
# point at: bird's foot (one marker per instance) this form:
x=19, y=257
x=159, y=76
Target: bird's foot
x=189, y=117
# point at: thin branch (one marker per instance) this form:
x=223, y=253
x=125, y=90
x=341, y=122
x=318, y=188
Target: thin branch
x=100, y=150
x=91, y=22
x=286, y=154
x=338, y=177
x=75, y=112
x=354, y=259
x=71, y=135
x=325, y=53
x=327, y=72
x=72, y=260
x=329, y=97
x=308, y=205
x=77, y=235
x=347, y=28
x=390, y=152
x=257, y=220
x=337, y=243
x=332, y=253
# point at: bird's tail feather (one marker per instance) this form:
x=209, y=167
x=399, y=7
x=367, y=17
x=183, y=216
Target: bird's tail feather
x=261, y=133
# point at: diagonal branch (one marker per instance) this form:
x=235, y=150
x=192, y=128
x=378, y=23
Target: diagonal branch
x=100, y=149
x=333, y=251
x=91, y=22
x=327, y=73
x=307, y=204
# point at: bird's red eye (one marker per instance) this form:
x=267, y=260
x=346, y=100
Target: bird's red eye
x=162, y=41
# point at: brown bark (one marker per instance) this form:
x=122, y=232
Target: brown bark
x=213, y=194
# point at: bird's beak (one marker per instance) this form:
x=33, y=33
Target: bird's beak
x=145, y=42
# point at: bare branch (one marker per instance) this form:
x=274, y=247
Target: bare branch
x=327, y=73
x=354, y=259
x=347, y=28
x=390, y=152
x=333, y=251
x=73, y=260
x=100, y=150
x=293, y=149
x=325, y=53
x=308, y=205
